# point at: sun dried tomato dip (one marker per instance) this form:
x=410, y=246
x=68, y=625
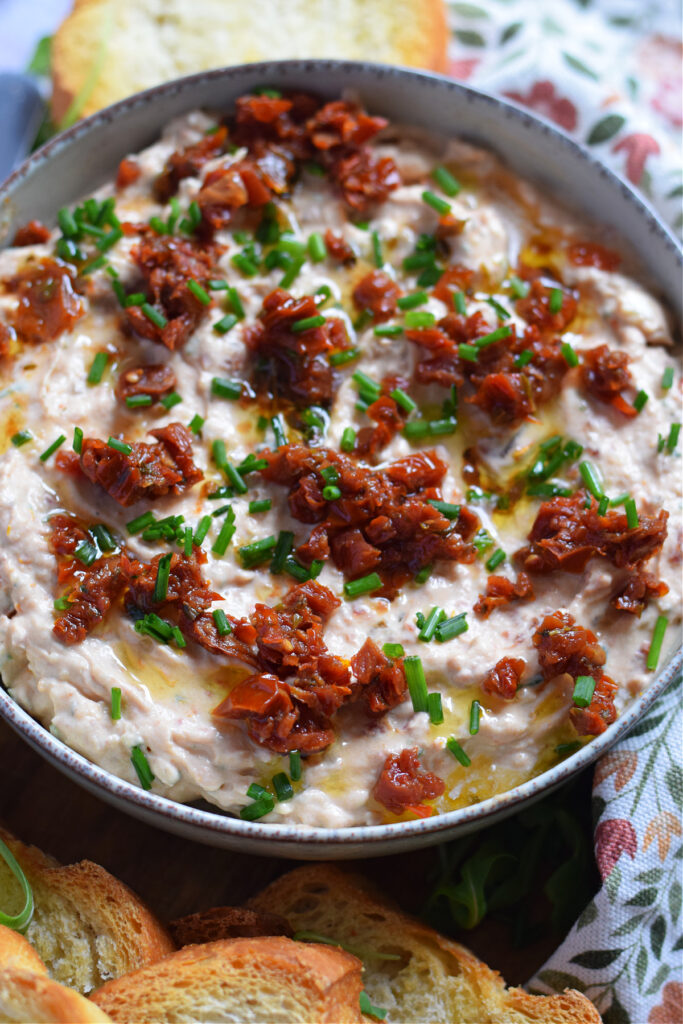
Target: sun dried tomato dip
x=339, y=470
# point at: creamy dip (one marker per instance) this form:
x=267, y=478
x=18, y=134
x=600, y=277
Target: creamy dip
x=502, y=230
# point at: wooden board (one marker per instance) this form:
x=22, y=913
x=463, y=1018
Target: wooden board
x=176, y=876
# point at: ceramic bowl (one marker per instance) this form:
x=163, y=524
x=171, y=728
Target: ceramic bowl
x=76, y=162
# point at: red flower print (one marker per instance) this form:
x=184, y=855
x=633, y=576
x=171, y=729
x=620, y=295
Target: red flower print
x=543, y=98
x=638, y=147
x=463, y=69
x=669, y=101
x=670, y=1009
x=612, y=838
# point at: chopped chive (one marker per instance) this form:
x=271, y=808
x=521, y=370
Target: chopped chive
x=656, y=642
x=548, y=489
x=235, y=478
x=292, y=246
x=67, y=223
x=362, y=320
x=153, y=315
x=571, y=358
x=282, y=786
x=140, y=523
x=403, y=400
x=61, y=604
x=187, y=541
x=667, y=378
x=424, y=574
x=256, y=792
x=137, y=401
x=53, y=448
x=223, y=627
x=364, y=585
x=295, y=765
x=23, y=437
x=168, y=401
x=119, y=446
x=492, y=337
x=589, y=475
x=178, y=637
x=459, y=303
x=564, y=749
x=672, y=439
x=317, y=249
x=451, y=628
x=225, y=535
x=496, y=559
x=86, y=553
x=501, y=312
x=141, y=765
x=157, y=224
x=291, y=274
x=417, y=684
x=223, y=388
x=519, y=288
x=418, y=261
x=434, y=708
x=661, y=441
x=161, y=582
x=428, y=627
x=322, y=295
x=199, y=293
x=217, y=285
x=388, y=330
x=295, y=569
x=103, y=536
x=523, y=359
x=393, y=650
x=367, y=387
x=419, y=319
x=258, y=809
x=278, y=427
x=225, y=324
x=109, y=240
x=377, y=250
x=584, y=688
x=136, y=299
x=619, y=500
x=555, y=300
x=603, y=505
x=283, y=546
x=457, y=752
x=631, y=514
x=260, y=505
x=330, y=474
x=331, y=493
x=445, y=426
x=446, y=508
x=348, y=440
x=219, y=453
x=250, y=464
x=468, y=352
x=115, y=710
x=445, y=180
x=253, y=554
x=308, y=323
x=475, y=717
x=196, y=424
x=340, y=358
x=203, y=527
x=440, y=205
x=640, y=400
x=97, y=368
x=412, y=300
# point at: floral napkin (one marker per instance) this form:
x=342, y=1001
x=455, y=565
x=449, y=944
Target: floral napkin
x=609, y=73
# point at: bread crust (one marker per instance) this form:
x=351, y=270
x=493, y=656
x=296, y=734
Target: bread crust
x=106, y=907
x=226, y=923
x=419, y=39
x=27, y=996
x=17, y=954
x=326, y=980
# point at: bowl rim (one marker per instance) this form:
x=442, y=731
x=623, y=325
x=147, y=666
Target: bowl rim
x=219, y=823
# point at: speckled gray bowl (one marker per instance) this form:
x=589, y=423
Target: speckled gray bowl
x=83, y=157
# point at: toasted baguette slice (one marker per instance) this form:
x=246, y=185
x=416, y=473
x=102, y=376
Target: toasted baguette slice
x=428, y=978
x=26, y=996
x=245, y=980
x=87, y=926
x=129, y=45
x=226, y=923
x=16, y=954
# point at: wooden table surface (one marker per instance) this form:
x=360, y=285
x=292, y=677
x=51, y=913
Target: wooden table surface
x=176, y=876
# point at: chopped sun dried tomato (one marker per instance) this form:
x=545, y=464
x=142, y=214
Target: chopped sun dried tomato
x=635, y=594
x=501, y=591
x=503, y=679
x=535, y=307
x=600, y=713
x=404, y=783
x=591, y=254
x=377, y=292
x=566, y=535
x=167, y=264
x=605, y=374
x=128, y=173
x=48, y=304
x=154, y=380
x=187, y=163
x=383, y=521
x=338, y=249
x=563, y=646
x=32, y=233
x=149, y=471
x=293, y=364
x=382, y=680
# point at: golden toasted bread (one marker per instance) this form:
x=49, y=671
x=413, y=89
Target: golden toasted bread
x=410, y=970
x=246, y=980
x=17, y=954
x=104, y=51
x=27, y=996
x=226, y=923
x=87, y=927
